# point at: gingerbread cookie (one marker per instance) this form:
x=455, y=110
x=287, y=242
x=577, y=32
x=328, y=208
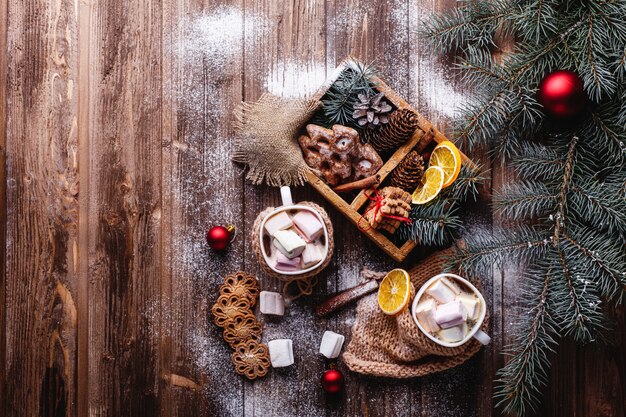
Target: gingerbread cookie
x=251, y=359
x=242, y=329
x=338, y=155
x=228, y=307
x=241, y=284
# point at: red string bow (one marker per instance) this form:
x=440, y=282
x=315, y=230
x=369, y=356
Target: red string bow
x=378, y=199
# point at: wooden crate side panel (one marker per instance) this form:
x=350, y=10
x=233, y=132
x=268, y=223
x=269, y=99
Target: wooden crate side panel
x=340, y=204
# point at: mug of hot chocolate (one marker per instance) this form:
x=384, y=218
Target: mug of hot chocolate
x=293, y=238
x=450, y=310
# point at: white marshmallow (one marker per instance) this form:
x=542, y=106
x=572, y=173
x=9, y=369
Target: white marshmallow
x=450, y=314
x=285, y=264
x=308, y=225
x=440, y=292
x=281, y=352
x=289, y=243
x=311, y=255
x=271, y=303
x=425, y=313
x=453, y=334
x=471, y=303
x=452, y=284
x=280, y=221
x=331, y=344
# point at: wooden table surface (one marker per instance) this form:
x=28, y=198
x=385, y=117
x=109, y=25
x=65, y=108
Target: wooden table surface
x=116, y=138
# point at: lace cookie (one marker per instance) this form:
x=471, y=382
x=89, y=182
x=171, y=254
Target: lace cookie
x=241, y=284
x=242, y=329
x=251, y=359
x=229, y=307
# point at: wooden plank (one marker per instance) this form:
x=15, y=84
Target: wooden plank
x=83, y=90
x=125, y=205
x=371, y=31
x=42, y=221
x=437, y=94
x=288, y=59
x=203, y=63
x=386, y=245
x=4, y=28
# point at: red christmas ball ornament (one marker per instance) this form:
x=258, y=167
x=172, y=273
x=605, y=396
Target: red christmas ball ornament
x=219, y=237
x=562, y=94
x=333, y=381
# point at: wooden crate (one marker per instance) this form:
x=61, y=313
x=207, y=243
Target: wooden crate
x=424, y=135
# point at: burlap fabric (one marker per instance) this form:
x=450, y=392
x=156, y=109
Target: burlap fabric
x=294, y=285
x=394, y=347
x=266, y=139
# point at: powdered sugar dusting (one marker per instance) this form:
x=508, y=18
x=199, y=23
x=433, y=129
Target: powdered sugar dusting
x=220, y=35
x=290, y=80
x=437, y=91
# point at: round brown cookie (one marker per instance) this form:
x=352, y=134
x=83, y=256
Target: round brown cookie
x=251, y=359
x=241, y=284
x=228, y=307
x=242, y=329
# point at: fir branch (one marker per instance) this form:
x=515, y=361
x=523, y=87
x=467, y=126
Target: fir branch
x=466, y=184
x=524, y=200
x=537, y=162
x=338, y=101
x=481, y=250
x=559, y=219
x=601, y=205
x=599, y=259
x=579, y=183
x=579, y=311
x=431, y=224
x=522, y=379
x=472, y=26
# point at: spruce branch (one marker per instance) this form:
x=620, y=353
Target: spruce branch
x=572, y=184
x=525, y=200
x=338, y=100
x=522, y=379
x=599, y=259
x=481, y=251
x=431, y=224
x=466, y=184
x=580, y=312
x=568, y=168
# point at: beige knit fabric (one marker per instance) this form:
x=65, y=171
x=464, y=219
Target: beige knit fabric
x=295, y=285
x=266, y=139
x=393, y=346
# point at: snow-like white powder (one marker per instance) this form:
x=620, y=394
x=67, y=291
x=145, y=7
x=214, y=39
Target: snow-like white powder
x=290, y=80
x=205, y=49
x=220, y=35
x=437, y=91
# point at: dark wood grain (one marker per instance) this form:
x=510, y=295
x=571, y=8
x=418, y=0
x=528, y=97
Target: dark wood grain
x=3, y=195
x=204, y=43
x=115, y=137
x=125, y=190
x=289, y=55
x=42, y=216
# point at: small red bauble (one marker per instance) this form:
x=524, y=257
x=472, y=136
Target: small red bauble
x=333, y=381
x=218, y=237
x=562, y=94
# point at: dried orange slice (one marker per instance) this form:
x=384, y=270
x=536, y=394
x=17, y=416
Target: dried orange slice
x=394, y=292
x=447, y=157
x=432, y=183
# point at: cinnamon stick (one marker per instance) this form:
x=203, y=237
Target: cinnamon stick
x=358, y=185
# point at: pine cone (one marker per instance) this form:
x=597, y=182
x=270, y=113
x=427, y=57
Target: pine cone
x=371, y=110
x=408, y=173
x=401, y=126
